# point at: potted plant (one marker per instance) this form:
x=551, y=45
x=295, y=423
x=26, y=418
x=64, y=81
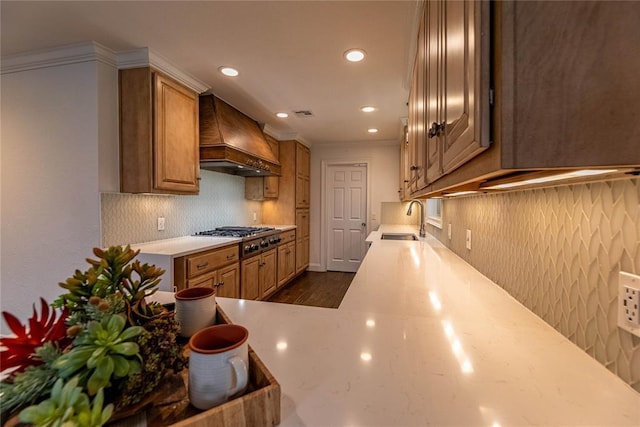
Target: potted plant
x=102, y=348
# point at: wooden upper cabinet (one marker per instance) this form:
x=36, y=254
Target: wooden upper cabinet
x=261, y=187
x=432, y=44
x=564, y=85
x=158, y=134
x=416, y=145
x=302, y=176
x=569, y=82
x=446, y=91
x=449, y=91
x=465, y=82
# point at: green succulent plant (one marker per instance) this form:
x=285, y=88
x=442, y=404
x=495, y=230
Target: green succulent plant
x=28, y=386
x=68, y=406
x=104, y=350
x=112, y=274
x=116, y=345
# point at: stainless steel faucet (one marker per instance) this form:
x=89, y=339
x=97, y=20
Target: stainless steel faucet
x=423, y=233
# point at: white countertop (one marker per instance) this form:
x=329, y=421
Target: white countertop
x=186, y=245
x=421, y=338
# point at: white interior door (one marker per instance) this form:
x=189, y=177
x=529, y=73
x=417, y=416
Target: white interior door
x=346, y=216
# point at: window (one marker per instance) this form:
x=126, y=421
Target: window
x=434, y=212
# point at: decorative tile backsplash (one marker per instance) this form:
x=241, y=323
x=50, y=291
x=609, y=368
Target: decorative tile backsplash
x=558, y=251
x=132, y=218
x=396, y=213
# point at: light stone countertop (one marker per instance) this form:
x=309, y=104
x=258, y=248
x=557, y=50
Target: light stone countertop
x=185, y=245
x=422, y=338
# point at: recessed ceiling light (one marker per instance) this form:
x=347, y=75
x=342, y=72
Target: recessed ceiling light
x=367, y=109
x=372, y=130
x=228, y=71
x=282, y=115
x=354, y=55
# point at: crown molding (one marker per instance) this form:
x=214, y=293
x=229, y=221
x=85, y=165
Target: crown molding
x=285, y=136
x=61, y=55
x=92, y=51
x=145, y=57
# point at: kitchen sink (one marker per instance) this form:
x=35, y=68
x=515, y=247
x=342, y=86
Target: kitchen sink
x=399, y=236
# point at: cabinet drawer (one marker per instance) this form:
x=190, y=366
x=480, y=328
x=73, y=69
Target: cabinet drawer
x=287, y=236
x=209, y=261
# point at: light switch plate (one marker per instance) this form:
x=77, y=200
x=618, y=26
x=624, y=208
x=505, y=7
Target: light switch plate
x=629, y=302
x=468, y=240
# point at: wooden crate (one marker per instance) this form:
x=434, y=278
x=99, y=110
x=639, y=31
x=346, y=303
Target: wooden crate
x=259, y=406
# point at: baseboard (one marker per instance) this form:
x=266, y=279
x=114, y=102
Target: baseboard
x=316, y=267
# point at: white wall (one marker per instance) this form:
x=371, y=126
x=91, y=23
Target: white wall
x=383, y=171
x=50, y=178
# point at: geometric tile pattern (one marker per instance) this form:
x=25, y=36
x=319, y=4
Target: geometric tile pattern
x=132, y=218
x=558, y=251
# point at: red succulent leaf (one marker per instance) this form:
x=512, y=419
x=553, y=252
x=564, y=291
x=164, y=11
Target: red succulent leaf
x=14, y=324
x=19, y=351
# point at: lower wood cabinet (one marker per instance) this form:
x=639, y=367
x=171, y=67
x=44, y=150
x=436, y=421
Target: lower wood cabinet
x=302, y=239
x=259, y=275
x=217, y=268
x=287, y=257
x=228, y=284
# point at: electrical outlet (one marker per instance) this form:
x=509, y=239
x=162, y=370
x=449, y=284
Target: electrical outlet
x=629, y=302
x=160, y=223
x=449, y=231
x=255, y=217
x=467, y=241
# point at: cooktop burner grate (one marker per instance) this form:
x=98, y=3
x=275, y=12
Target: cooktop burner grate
x=235, y=231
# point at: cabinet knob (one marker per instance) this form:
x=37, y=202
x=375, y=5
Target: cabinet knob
x=413, y=168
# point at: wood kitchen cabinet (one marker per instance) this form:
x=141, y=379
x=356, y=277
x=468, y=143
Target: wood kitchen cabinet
x=448, y=91
x=286, y=257
x=564, y=85
x=416, y=144
x=263, y=187
x=216, y=268
x=302, y=239
x=158, y=134
x=292, y=205
x=302, y=177
x=259, y=278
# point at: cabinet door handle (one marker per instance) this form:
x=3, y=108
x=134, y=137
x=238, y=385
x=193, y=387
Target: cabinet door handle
x=217, y=285
x=203, y=265
x=436, y=129
x=231, y=256
x=414, y=167
x=433, y=130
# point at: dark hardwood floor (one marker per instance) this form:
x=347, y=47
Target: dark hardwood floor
x=315, y=289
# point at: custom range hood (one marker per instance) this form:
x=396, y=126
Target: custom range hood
x=233, y=143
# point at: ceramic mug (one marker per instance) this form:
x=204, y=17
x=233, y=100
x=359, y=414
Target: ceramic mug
x=195, y=309
x=218, y=365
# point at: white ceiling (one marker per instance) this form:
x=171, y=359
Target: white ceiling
x=289, y=54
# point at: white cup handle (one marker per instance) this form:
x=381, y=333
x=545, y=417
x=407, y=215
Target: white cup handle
x=240, y=370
